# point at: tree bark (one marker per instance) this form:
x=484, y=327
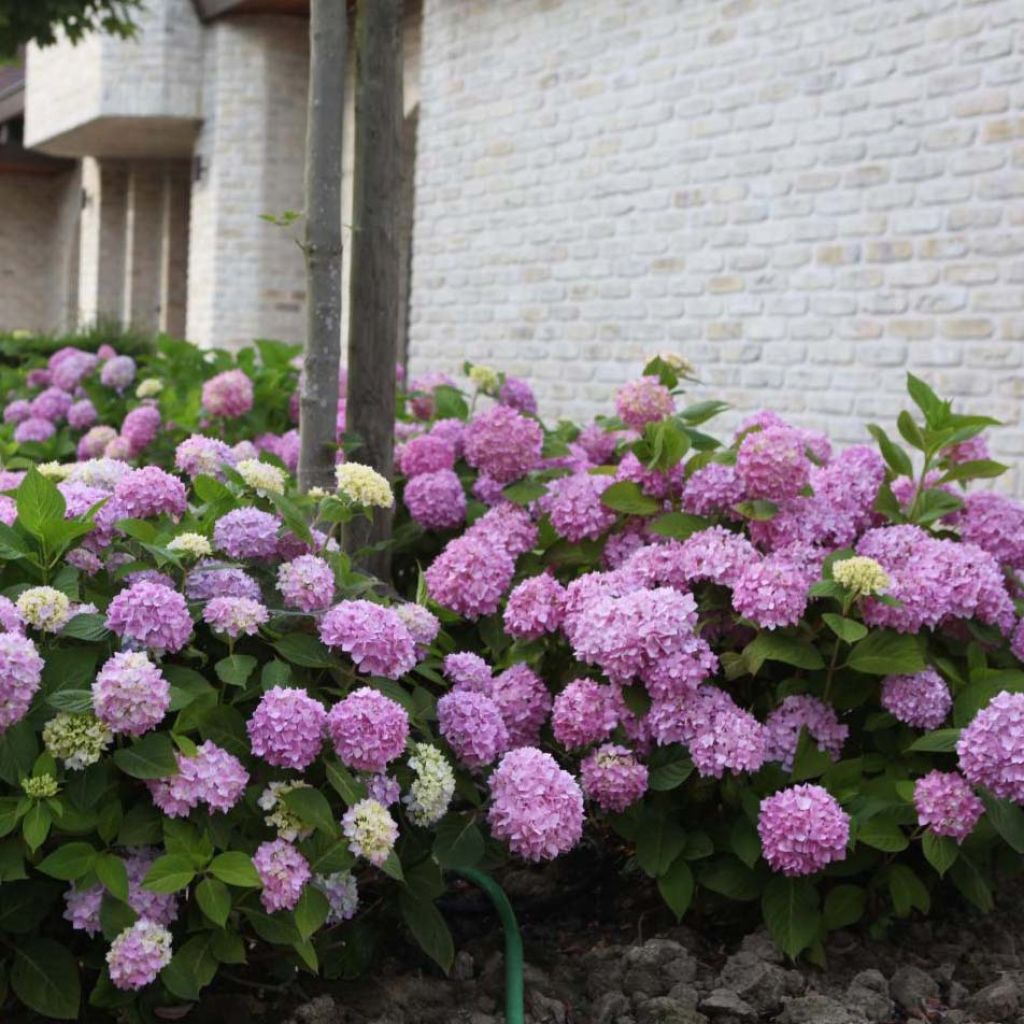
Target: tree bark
x=376, y=255
x=318, y=399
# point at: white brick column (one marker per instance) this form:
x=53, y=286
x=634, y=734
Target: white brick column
x=143, y=244
x=174, y=214
x=246, y=277
x=102, y=241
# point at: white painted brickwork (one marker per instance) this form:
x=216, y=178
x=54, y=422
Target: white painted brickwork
x=804, y=197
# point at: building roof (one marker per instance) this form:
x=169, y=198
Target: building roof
x=12, y=90
x=210, y=9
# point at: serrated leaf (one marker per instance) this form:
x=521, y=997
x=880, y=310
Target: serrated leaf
x=670, y=776
x=844, y=906
x=907, y=891
x=151, y=757
x=882, y=834
x=790, y=909
x=968, y=878
x=626, y=496
x=86, y=627
x=659, y=841
x=678, y=525
x=849, y=630
x=312, y=808
x=885, y=652
x=305, y=650
x=45, y=978
x=311, y=911
x=458, y=842
x=429, y=929
x=1007, y=819
x=676, y=886
x=235, y=669
x=170, y=873
x=940, y=741
x=192, y=967
x=769, y=646
x=68, y=862
x=940, y=851
x=728, y=877
x=214, y=900
x=113, y=874
x=235, y=868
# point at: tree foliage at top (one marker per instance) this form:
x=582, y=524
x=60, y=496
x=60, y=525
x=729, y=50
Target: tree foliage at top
x=41, y=21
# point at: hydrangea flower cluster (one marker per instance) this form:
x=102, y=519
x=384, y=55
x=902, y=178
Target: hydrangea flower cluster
x=368, y=730
x=922, y=700
x=279, y=816
x=473, y=727
x=21, y=671
x=364, y=486
x=534, y=607
x=78, y=740
x=991, y=748
x=613, y=778
x=342, y=894
x=536, y=807
x=798, y=712
x=150, y=615
x=130, y=694
x=503, y=444
x=642, y=401
x=946, y=805
x=228, y=395
x=372, y=635
x=370, y=830
x=212, y=776
x=432, y=788
x=287, y=728
x=306, y=583
x=139, y=954
x=44, y=608
x=803, y=830
x=235, y=616
x=284, y=873
x=247, y=533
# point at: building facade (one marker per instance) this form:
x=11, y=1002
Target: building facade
x=805, y=197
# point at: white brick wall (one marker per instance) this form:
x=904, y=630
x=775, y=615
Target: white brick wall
x=804, y=197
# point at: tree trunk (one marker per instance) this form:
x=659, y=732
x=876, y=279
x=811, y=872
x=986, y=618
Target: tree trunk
x=318, y=400
x=376, y=259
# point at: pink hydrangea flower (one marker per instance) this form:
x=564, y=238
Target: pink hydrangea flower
x=140, y=427
x=534, y=607
x=17, y=411
x=922, y=700
x=423, y=625
x=130, y=694
x=772, y=463
x=507, y=525
x=82, y=415
x=247, y=533
x=306, y=583
x=21, y=670
x=468, y=671
x=212, y=776
x=52, y=404
x=598, y=443
x=287, y=728
x=798, y=712
x=203, y=456
x=138, y=955
x=10, y=619
x=94, y=442
x=151, y=615
x=642, y=401
x=773, y=592
x=803, y=830
x=67, y=373
x=373, y=636
x=946, y=805
x=995, y=523
x=583, y=713
x=573, y=504
x=228, y=395
x=536, y=807
x=991, y=748
x=451, y=430
x=284, y=873
x=470, y=576
x=436, y=500
x=720, y=735
x=34, y=429
x=524, y=702
x=368, y=730
x=713, y=490
x=234, y=616
x=117, y=373
x=487, y=490
x=503, y=443
x=208, y=580
x=149, y=492
x=613, y=778
x=473, y=727
x=517, y=394
x=427, y=453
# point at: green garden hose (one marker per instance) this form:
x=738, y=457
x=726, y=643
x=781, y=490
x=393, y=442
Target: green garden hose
x=513, y=942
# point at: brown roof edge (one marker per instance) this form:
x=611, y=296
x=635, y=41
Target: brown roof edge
x=12, y=102
x=208, y=10
x=15, y=159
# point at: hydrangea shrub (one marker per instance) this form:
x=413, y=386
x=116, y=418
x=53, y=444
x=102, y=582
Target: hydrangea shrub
x=754, y=669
